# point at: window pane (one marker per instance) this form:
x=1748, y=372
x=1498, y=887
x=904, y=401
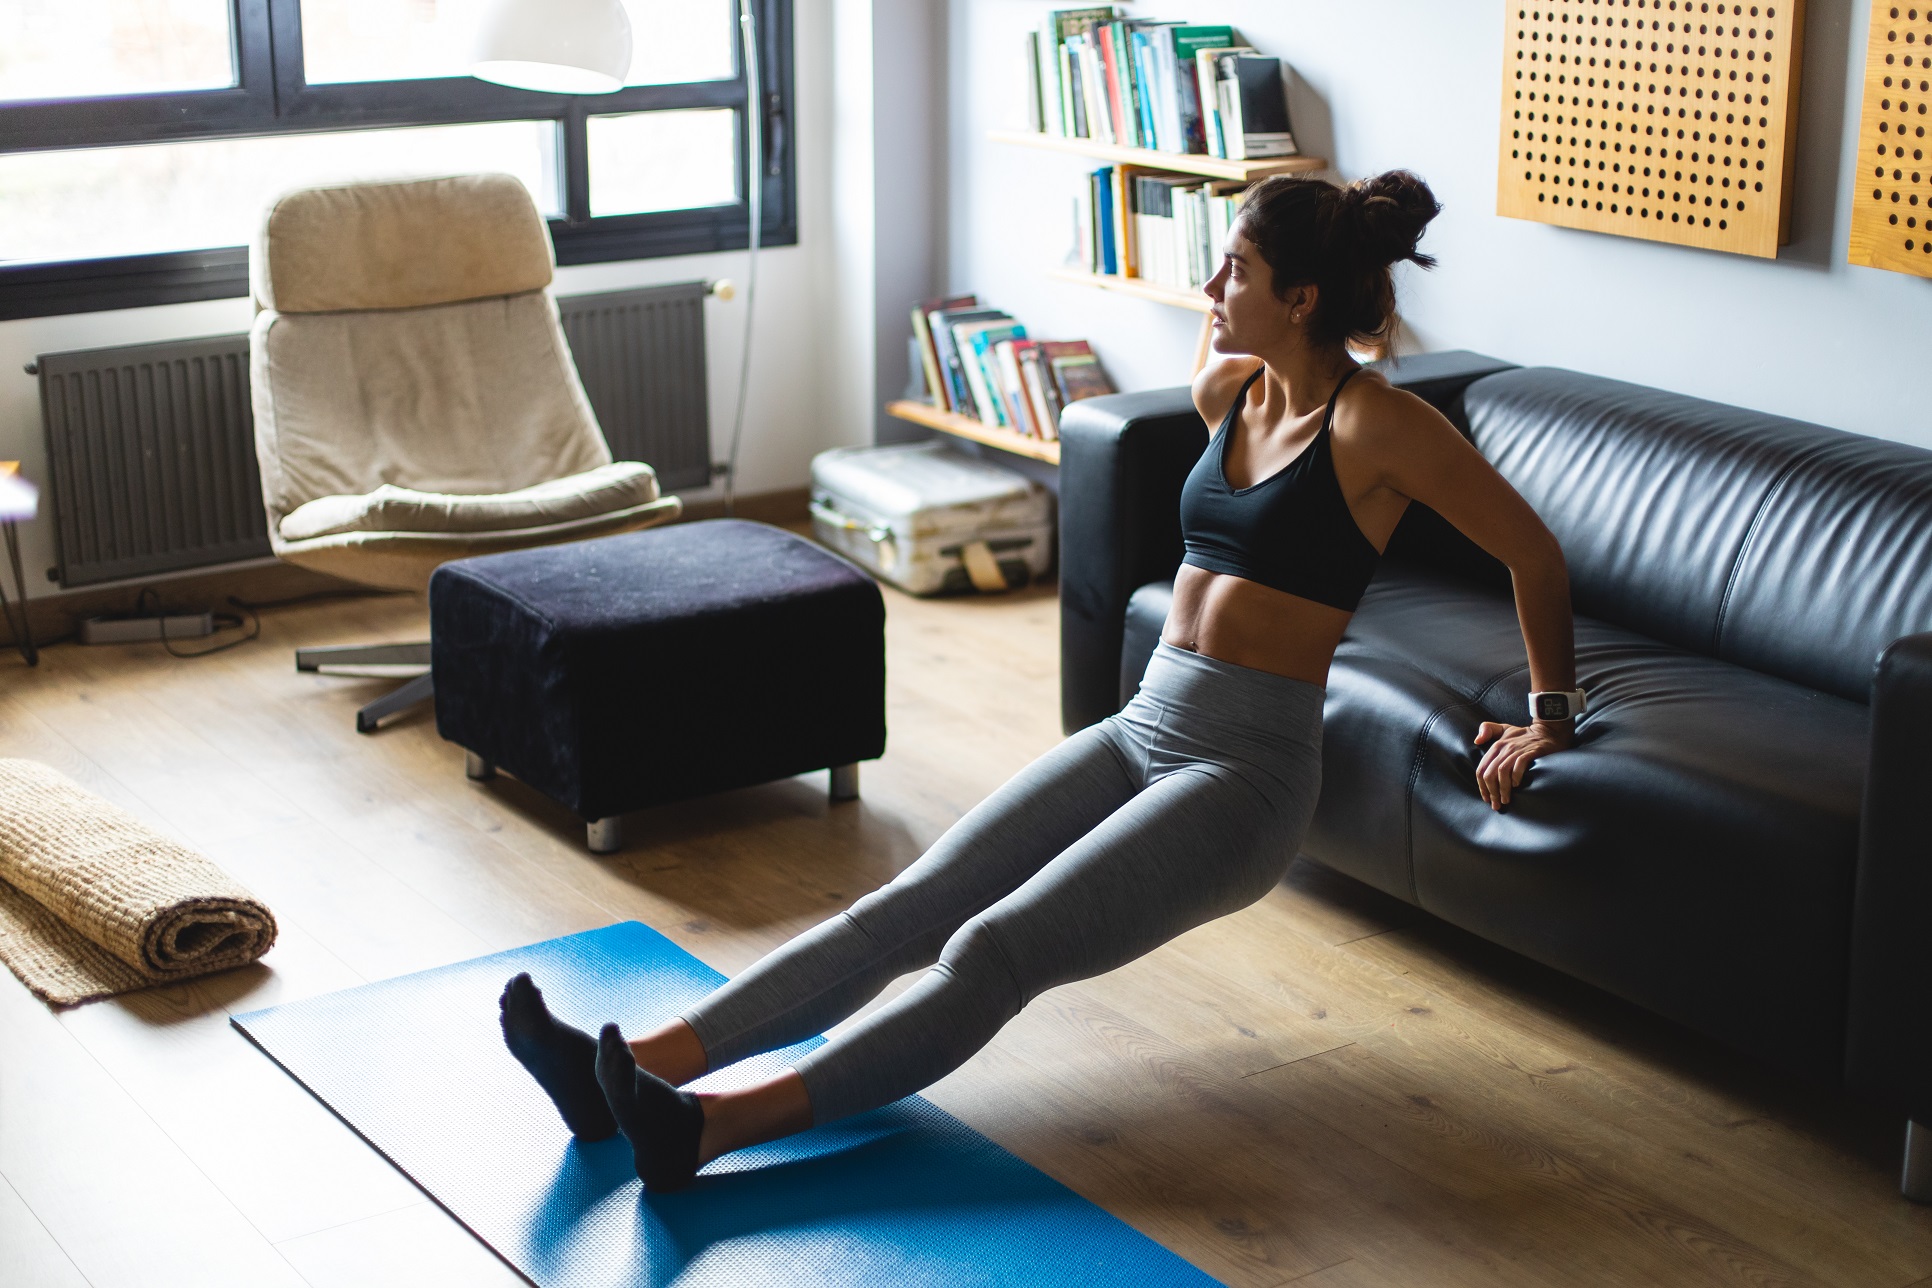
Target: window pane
x=91, y=48
x=364, y=40
x=188, y=196
x=673, y=41
x=662, y=161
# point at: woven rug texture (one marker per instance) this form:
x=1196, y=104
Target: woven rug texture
x=94, y=902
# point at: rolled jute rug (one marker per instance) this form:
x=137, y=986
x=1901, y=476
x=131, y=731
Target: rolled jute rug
x=94, y=902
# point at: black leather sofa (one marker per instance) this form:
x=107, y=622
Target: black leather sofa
x=1739, y=840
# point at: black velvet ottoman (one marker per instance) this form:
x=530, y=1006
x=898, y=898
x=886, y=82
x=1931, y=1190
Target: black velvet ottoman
x=655, y=666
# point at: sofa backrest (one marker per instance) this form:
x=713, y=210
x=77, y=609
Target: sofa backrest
x=1787, y=547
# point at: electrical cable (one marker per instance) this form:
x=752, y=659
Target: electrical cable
x=754, y=202
x=223, y=621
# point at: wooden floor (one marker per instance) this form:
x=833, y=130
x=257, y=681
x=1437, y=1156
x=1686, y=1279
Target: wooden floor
x=1327, y=1089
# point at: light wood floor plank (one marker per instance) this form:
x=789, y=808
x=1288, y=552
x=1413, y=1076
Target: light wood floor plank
x=31, y=1257
x=125, y=1204
x=414, y=1247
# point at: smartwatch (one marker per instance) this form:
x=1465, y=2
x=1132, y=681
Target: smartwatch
x=1556, y=704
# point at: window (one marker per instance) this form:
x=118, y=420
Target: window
x=140, y=139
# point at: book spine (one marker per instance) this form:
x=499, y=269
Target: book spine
x=1012, y=397
x=973, y=352
x=1046, y=61
x=1228, y=90
x=1143, y=99
x=1106, y=260
x=1035, y=106
x=1208, y=78
x=929, y=360
x=1110, y=81
x=1099, y=120
x=1126, y=250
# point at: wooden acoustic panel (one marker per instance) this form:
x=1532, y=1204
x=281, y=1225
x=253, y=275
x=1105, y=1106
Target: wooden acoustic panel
x=1891, y=224
x=1666, y=119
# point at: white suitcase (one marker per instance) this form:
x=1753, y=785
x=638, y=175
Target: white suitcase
x=931, y=520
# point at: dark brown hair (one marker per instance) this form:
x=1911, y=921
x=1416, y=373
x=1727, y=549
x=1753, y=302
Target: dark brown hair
x=1343, y=241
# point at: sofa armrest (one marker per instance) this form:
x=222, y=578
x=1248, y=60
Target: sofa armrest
x=1888, y=1043
x=1123, y=459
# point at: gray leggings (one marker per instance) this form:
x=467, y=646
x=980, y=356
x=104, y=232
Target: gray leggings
x=1187, y=805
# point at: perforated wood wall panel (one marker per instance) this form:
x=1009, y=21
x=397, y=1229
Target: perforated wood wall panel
x=1891, y=223
x=1666, y=119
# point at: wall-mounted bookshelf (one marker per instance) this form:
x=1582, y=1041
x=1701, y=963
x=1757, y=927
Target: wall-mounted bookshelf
x=1195, y=300
x=951, y=422
x=947, y=422
x=1179, y=162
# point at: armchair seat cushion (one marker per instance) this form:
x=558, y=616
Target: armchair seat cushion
x=1694, y=853
x=604, y=490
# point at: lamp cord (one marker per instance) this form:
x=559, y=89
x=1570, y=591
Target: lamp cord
x=754, y=203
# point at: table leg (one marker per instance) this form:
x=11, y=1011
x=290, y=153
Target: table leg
x=23, y=636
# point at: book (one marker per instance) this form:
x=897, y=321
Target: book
x=1076, y=371
x=952, y=368
x=1036, y=118
x=975, y=341
x=1258, y=98
x=1208, y=78
x=1185, y=42
x=936, y=389
x=1039, y=390
x=1058, y=64
x=1119, y=123
x=1011, y=389
x=1106, y=240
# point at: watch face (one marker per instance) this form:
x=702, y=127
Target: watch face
x=1552, y=706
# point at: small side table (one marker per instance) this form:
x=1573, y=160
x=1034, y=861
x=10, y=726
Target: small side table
x=18, y=500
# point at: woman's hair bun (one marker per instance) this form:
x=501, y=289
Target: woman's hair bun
x=1389, y=212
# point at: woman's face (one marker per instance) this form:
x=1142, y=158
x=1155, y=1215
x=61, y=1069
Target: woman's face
x=1248, y=317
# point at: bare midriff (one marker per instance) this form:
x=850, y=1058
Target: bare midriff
x=1232, y=619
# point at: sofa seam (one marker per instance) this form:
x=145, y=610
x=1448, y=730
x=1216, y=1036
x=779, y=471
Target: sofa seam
x=1750, y=535
x=1416, y=760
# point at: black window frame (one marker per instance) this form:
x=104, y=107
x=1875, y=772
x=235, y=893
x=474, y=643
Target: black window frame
x=272, y=98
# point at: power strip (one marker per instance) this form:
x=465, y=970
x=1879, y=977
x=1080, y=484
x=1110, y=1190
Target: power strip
x=134, y=630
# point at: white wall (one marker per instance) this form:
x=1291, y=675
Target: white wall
x=799, y=288
x=1415, y=84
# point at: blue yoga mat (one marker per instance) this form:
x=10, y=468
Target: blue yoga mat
x=904, y=1195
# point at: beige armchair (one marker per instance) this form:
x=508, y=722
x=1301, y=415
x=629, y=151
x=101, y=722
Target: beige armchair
x=415, y=399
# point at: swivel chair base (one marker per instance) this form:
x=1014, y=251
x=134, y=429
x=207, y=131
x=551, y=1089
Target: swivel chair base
x=379, y=660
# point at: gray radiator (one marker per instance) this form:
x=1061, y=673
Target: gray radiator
x=641, y=355
x=151, y=458
x=151, y=447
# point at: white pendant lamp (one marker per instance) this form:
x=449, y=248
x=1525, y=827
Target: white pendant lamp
x=557, y=46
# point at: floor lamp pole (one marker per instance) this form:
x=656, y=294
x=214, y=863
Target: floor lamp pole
x=754, y=204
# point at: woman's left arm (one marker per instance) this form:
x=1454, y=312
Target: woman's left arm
x=1419, y=454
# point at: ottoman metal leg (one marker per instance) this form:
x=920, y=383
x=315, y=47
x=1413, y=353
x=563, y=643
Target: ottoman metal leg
x=477, y=769
x=845, y=782
x=606, y=835
x=1915, y=1182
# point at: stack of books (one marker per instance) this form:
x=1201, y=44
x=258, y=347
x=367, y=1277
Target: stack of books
x=1156, y=84
x=1151, y=224
x=979, y=362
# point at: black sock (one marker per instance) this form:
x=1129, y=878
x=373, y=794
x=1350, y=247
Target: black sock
x=562, y=1059
x=662, y=1123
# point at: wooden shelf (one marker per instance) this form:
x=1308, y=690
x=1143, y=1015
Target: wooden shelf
x=947, y=422
x=1180, y=162
x=1195, y=300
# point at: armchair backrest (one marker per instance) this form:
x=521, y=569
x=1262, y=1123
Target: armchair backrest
x=406, y=336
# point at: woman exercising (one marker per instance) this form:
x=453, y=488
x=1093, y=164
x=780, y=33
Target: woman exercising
x=1186, y=805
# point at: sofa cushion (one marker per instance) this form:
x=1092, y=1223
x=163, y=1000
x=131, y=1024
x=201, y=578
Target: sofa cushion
x=1709, y=813
x=389, y=508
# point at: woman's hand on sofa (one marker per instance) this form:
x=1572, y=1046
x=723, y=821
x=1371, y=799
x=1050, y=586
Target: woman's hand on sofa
x=1513, y=750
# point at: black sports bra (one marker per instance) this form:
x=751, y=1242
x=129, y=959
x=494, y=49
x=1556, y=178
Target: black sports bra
x=1291, y=531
